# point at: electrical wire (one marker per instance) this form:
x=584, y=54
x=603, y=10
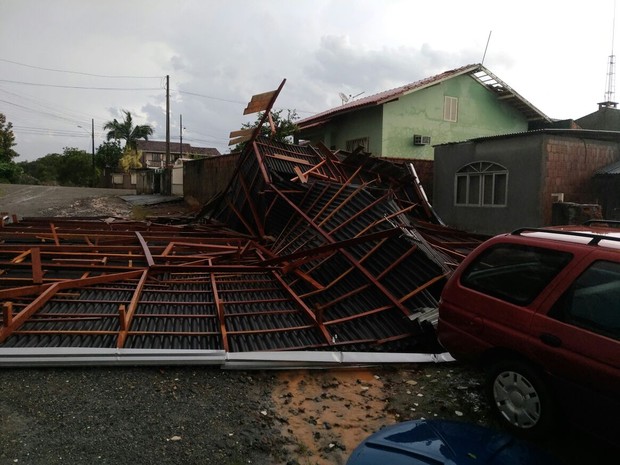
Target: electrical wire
x=77, y=72
x=49, y=108
x=195, y=94
x=79, y=87
x=211, y=97
x=38, y=111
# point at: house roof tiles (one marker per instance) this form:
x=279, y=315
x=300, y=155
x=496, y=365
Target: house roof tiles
x=477, y=71
x=156, y=146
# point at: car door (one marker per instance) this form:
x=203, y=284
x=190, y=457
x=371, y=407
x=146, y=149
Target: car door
x=576, y=338
x=501, y=288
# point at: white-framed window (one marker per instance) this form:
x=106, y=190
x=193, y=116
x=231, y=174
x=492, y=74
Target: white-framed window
x=481, y=184
x=450, y=109
x=355, y=143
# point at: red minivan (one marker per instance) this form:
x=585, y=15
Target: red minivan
x=540, y=309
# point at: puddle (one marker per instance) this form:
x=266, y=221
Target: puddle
x=326, y=414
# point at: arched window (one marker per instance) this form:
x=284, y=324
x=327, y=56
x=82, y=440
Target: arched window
x=481, y=184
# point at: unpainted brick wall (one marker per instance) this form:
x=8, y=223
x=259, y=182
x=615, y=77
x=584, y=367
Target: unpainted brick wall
x=570, y=164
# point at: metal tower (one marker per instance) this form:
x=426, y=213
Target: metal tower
x=610, y=88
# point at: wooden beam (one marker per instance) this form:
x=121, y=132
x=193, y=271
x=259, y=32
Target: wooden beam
x=50, y=291
x=241, y=133
x=133, y=305
x=259, y=102
x=299, y=161
x=221, y=315
x=37, y=272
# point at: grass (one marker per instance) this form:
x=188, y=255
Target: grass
x=139, y=213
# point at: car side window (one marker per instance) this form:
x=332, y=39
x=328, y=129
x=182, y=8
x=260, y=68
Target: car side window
x=513, y=272
x=592, y=302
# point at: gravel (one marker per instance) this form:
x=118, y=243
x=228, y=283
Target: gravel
x=202, y=415
x=169, y=415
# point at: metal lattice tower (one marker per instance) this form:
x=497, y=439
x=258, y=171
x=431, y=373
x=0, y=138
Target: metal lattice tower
x=610, y=91
x=610, y=88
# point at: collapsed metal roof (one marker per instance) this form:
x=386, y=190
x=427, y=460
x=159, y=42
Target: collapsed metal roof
x=307, y=250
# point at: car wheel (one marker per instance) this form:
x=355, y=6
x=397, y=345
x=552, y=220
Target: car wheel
x=520, y=398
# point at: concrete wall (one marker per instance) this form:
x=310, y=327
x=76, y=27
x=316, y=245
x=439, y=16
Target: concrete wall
x=480, y=113
x=205, y=178
x=521, y=156
x=145, y=182
x=177, y=179
x=391, y=126
x=351, y=126
x=539, y=165
x=124, y=180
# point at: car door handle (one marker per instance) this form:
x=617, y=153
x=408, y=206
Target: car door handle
x=551, y=340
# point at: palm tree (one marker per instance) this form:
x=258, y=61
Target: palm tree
x=127, y=131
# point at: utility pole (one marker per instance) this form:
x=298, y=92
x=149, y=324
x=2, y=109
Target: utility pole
x=93, y=141
x=166, y=178
x=180, y=136
x=167, y=120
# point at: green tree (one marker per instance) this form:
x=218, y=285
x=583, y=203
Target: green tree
x=44, y=169
x=7, y=140
x=125, y=130
x=285, y=127
x=108, y=155
x=76, y=168
x=71, y=168
x=10, y=172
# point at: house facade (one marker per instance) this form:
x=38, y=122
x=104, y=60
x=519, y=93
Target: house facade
x=153, y=152
x=496, y=184
x=408, y=121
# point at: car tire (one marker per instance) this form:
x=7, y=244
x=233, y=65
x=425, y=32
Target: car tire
x=520, y=398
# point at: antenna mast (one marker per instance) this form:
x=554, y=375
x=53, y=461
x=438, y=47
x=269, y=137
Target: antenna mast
x=485, y=48
x=610, y=89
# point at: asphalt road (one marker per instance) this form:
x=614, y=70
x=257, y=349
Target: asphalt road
x=24, y=200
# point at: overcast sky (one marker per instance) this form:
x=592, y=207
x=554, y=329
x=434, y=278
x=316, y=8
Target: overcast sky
x=66, y=62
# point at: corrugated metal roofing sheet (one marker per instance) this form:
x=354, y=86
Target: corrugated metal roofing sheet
x=612, y=169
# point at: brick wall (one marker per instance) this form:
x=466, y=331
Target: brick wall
x=568, y=168
x=424, y=168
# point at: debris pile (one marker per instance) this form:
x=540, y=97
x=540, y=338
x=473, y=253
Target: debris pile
x=308, y=249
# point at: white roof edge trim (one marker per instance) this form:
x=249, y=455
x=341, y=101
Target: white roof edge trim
x=38, y=357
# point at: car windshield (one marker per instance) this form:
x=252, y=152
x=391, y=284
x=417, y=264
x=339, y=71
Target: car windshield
x=514, y=273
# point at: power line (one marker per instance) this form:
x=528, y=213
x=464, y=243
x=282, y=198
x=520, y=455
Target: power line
x=195, y=94
x=38, y=111
x=51, y=132
x=211, y=97
x=78, y=87
x=50, y=107
x=78, y=72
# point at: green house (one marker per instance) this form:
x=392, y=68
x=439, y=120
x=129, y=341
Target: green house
x=406, y=122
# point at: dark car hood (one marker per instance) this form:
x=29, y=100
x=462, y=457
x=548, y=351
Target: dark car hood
x=445, y=442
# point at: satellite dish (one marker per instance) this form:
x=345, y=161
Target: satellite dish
x=346, y=98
